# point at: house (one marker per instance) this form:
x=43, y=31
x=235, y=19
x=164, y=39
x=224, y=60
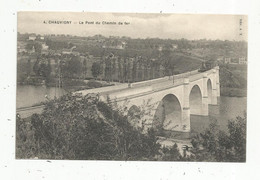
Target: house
x=44, y=46
x=220, y=59
x=174, y=46
x=227, y=60
x=21, y=47
x=234, y=61
x=242, y=60
x=32, y=38
x=113, y=44
x=69, y=51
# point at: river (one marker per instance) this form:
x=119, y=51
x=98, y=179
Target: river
x=28, y=95
x=227, y=108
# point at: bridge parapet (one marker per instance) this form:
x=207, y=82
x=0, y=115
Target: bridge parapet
x=148, y=82
x=195, y=77
x=129, y=92
x=184, y=75
x=103, y=89
x=168, y=84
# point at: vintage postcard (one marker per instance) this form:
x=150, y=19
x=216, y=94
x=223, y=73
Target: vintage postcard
x=131, y=86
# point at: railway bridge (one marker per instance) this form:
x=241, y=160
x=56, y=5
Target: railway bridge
x=165, y=102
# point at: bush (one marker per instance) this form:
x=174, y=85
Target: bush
x=73, y=82
x=76, y=127
x=94, y=84
x=216, y=145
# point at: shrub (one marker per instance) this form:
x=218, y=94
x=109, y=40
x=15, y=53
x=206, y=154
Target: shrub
x=76, y=127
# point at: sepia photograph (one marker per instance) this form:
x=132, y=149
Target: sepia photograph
x=131, y=86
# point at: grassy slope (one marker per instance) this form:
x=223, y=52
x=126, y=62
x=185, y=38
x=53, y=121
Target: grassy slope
x=184, y=63
x=233, y=81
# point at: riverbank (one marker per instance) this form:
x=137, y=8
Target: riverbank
x=67, y=84
x=233, y=92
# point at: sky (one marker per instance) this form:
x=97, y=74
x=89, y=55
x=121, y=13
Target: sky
x=172, y=26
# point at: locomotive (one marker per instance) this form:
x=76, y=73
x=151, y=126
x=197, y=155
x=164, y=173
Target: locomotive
x=207, y=65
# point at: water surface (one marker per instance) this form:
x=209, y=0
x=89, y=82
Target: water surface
x=28, y=95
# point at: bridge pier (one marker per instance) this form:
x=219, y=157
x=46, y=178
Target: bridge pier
x=204, y=108
x=186, y=107
x=217, y=79
x=185, y=119
x=214, y=100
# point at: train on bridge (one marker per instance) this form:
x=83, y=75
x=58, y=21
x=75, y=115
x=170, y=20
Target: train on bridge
x=207, y=65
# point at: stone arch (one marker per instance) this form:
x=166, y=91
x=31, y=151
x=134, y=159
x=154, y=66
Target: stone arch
x=195, y=99
x=168, y=114
x=209, y=89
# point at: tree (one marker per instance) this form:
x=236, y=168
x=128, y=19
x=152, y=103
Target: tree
x=166, y=61
x=113, y=68
x=48, y=71
x=107, y=69
x=151, y=69
x=84, y=68
x=38, y=47
x=34, y=45
x=119, y=63
x=29, y=47
x=36, y=66
x=216, y=145
x=157, y=69
x=43, y=70
x=128, y=70
x=140, y=69
x=96, y=69
x=146, y=66
x=73, y=67
x=124, y=70
x=28, y=67
x=171, y=154
x=134, y=70
x=76, y=127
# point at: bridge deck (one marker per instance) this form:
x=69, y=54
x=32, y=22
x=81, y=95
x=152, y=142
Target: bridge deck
x=149, y=86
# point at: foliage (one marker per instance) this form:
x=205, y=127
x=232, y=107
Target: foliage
x=84, y=68
x=94, y=84
x=96, y=69
x=216, y=145
x=25, y=143
x=37, y=46
x=73, y=67
x=229, y=79
x=58, y=45
x=42, y=68
x=73, y=82
x=171, y=154
x=28, y=67
x=76, y=127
